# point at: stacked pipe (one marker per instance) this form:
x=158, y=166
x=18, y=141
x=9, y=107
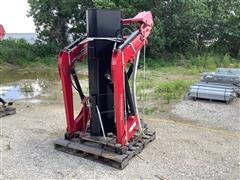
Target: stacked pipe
x=223, y=85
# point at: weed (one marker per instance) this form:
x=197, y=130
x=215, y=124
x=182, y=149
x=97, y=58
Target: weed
x=162, y=108
x=8, y=147
x=173, y=89
x=25, y=88
x=150, y=110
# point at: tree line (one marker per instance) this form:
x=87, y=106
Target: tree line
x=180, y=26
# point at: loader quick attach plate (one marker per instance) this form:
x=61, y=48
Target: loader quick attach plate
x=104, y=150
x=5, y=111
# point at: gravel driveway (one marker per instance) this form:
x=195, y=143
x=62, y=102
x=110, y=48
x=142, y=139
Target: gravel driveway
x=210, y=114
x=181, y=150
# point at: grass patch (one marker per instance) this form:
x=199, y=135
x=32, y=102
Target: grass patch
x=162, y=109
x=151, y=110
x=173, y=89
x=26, y=88
x=193, y=64
x=169, y=83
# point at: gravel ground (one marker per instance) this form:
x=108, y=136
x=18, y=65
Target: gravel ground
x=180, y=151
x=210, y=114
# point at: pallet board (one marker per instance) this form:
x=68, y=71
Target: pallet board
x=5, y=111
x=103, y=153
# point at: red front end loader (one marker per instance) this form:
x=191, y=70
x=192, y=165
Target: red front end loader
x=108, y=126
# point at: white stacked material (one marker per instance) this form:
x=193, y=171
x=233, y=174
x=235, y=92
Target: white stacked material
x=224, y=85
x=228, y=71
x=235, y=88
x=212, y=93
x=221, y=78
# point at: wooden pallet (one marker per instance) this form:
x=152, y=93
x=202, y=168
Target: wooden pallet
x=102, y=152
x=5, y=111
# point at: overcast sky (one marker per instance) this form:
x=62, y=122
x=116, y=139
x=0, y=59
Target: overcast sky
x=13, y=16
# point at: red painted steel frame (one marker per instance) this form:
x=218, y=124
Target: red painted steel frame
x=2, y=32
x=125, y=126
x=65, y=59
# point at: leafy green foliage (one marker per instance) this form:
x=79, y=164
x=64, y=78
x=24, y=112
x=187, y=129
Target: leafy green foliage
x=19, y=52
x=56, y=20
x=196, y=35
x=185, y=26
x=180, y=26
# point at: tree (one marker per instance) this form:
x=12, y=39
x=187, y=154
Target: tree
x=57, y=20
x=180, y=26
x=225, y=21
x=185, y=26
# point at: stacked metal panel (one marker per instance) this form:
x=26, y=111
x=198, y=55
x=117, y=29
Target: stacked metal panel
x=224, y=85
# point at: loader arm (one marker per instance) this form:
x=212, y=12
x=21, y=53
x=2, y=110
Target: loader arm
x=76, y=51
x=126, y=125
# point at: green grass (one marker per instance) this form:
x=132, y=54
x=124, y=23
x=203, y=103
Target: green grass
x=150, y=110
x=26, y=88
x=173, y=89
x=193, y=64
x=165, y=83
x=193, y=70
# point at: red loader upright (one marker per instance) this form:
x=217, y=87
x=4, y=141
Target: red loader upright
x=2, y=32
x=108, y=125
